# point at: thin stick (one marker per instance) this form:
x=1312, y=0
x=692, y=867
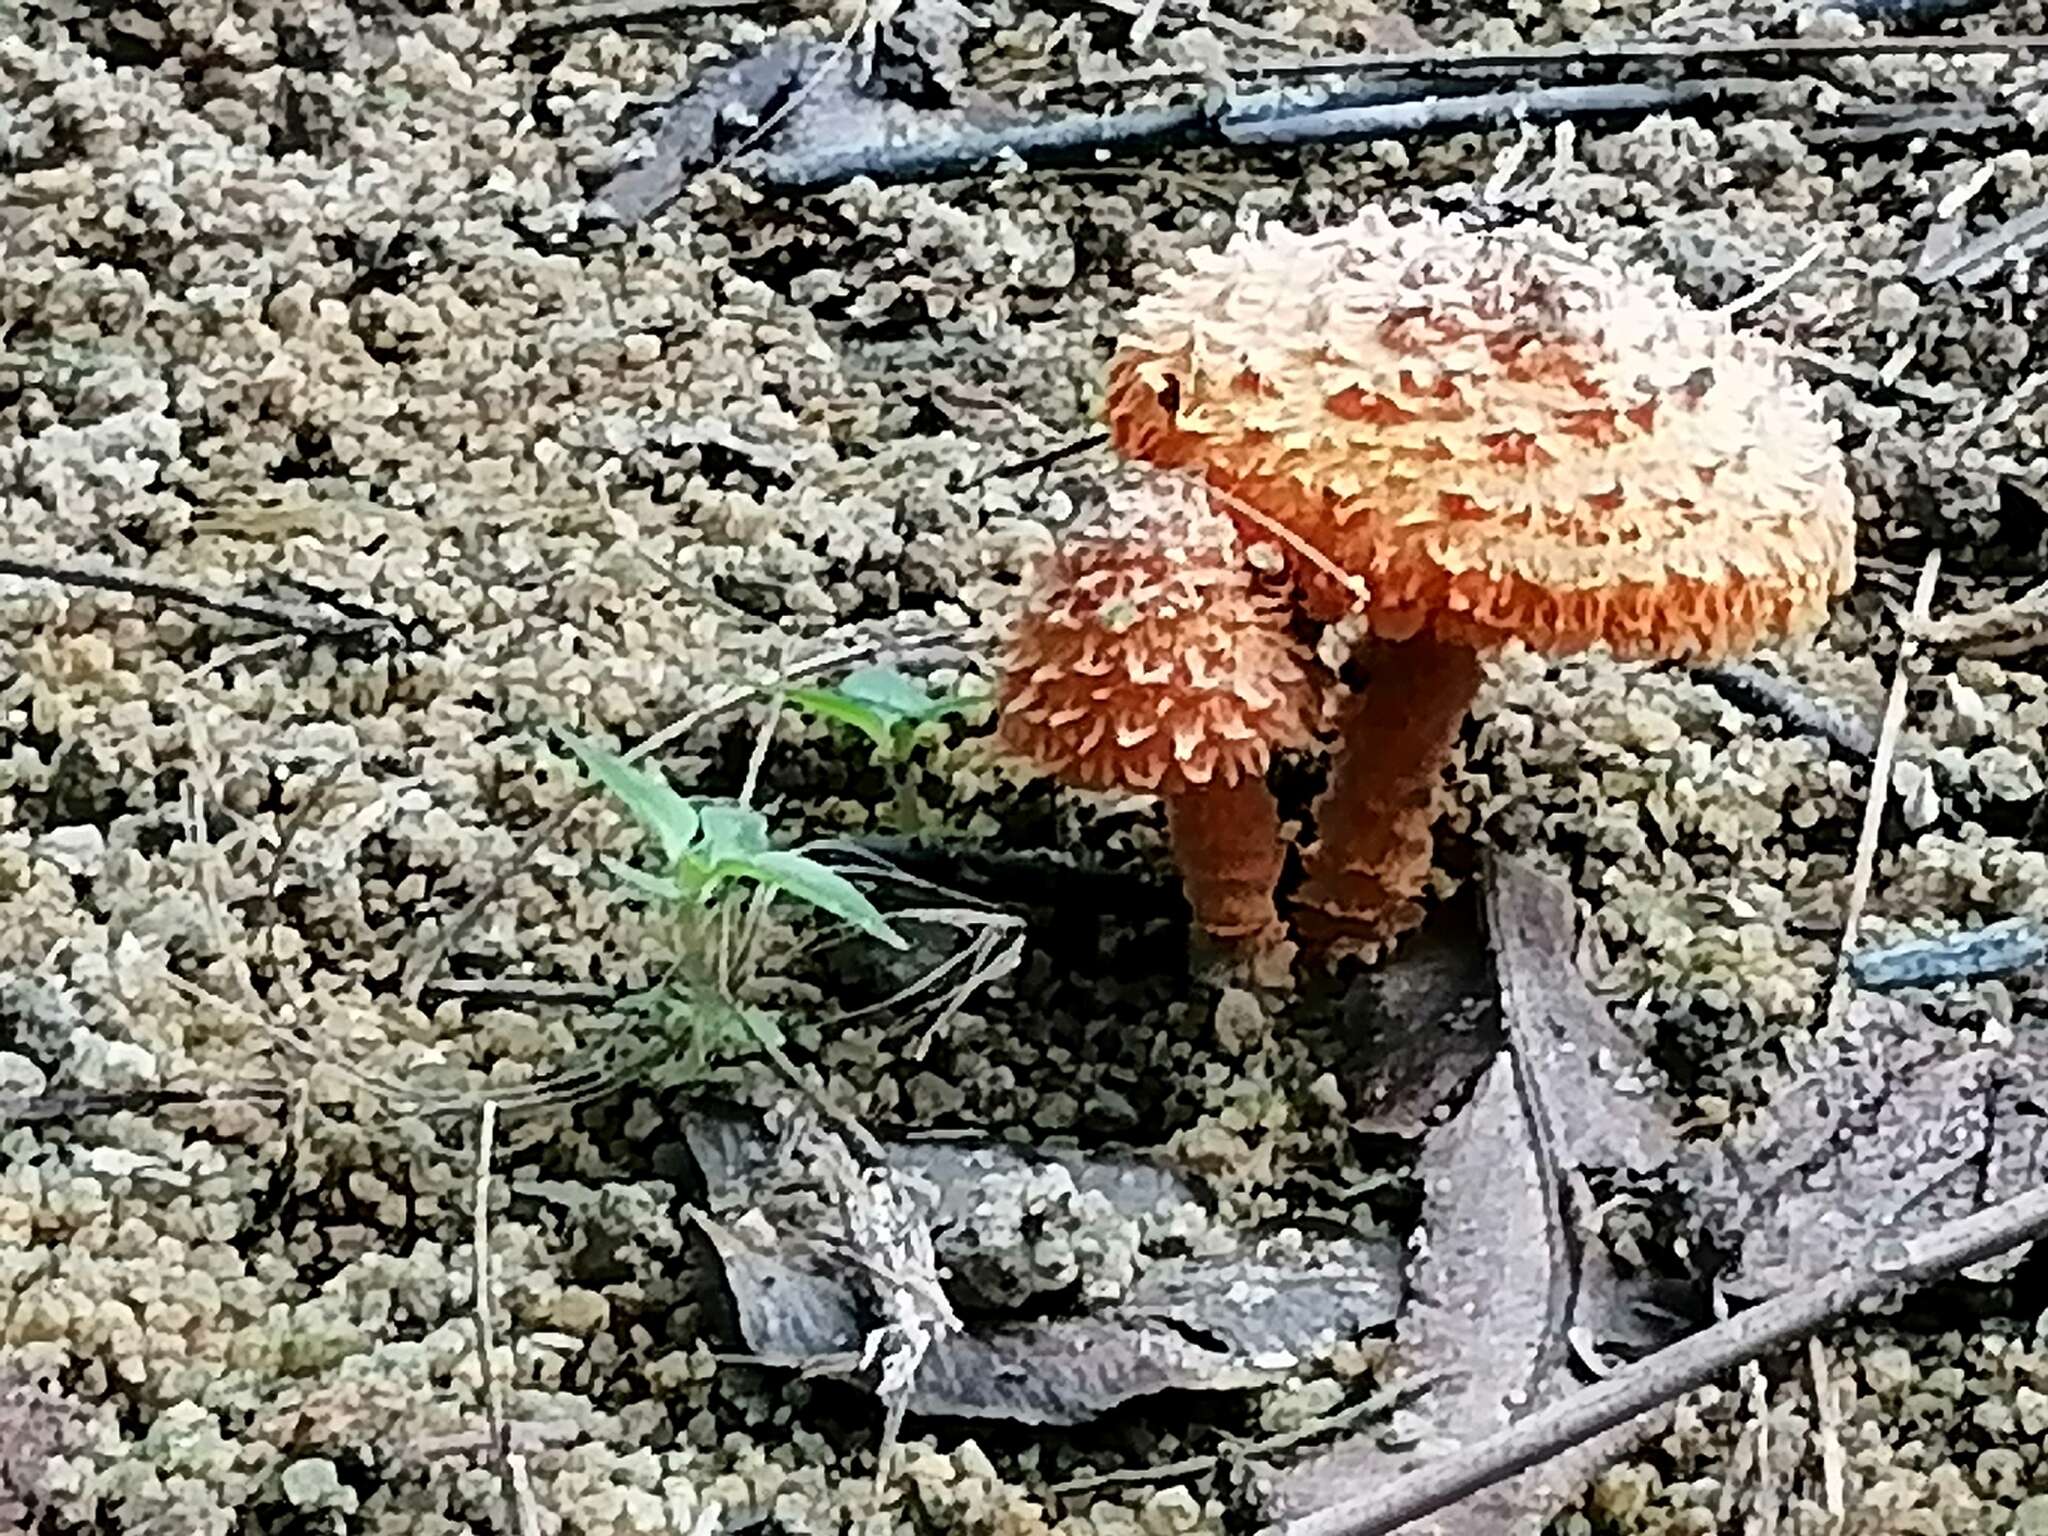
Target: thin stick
x=1674, y=1371
x=1880, y=790
x=1437, y=113
x=519, y=1515
x=1752, y=688
x=1044, y=460
x=1519, y=61
x=1827, y=1416
x=960, y=144
x=343, y=625
x=1774, y=282
x=618, y=13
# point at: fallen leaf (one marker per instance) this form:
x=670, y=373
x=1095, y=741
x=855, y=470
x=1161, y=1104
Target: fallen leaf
x=2019, y=1121
x=1601, y=1100
x=735, y=1155
x=1266, y=1305
x=1886, y=1137
x=1420, y=1027
x=1219, y=1322
x=1505, y=1294
x=1487, y=1330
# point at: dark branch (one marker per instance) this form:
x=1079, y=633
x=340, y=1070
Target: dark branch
x=1760, y=692
x=838, y=133
x=346, y=621
x=1672, y=1372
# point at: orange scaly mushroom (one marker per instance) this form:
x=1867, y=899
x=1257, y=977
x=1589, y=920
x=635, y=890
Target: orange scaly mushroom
x=1148, y=658
x=1498, y=436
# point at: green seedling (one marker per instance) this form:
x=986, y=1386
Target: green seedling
x=889, y=709
x=710, y=848
x=703, y=1029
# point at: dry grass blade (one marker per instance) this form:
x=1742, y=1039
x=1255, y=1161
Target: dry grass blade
x=1880, y=791
x=520, y=1515
x=2015, y=628
x=1979, y=258
x=1764, y=1499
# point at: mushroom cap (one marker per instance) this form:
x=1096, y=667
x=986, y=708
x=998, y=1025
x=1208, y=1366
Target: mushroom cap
x=1502, y=434
x=1149, y=655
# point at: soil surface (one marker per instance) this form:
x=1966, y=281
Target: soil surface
x=347, y=458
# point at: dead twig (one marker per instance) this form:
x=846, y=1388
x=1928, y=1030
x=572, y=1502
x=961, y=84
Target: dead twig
x=1678, y=1369
x=1979, y=258
x=66, y=1104
x=1247, y=128
x=350, y=622
x=1998, y=949
x=1521, y=62
x=521, y=1518
x=2015, y=628
x=1760, y=692
x=1037, y=461
x=488, y=991
x=556, y=20
x=855, y=135
x=1880, y=791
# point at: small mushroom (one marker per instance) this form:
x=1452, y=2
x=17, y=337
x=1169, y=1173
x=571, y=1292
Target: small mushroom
x=1475, y=437
x=1149, y=658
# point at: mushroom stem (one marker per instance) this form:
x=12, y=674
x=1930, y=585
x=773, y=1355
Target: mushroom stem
x=1226, y=840
x=1372, y=857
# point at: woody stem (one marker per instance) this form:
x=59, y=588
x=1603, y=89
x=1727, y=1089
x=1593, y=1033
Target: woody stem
x=1373, y=822
x=1226, y=840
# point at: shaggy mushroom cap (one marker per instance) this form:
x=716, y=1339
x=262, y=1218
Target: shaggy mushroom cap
x=1502, y=434
x=1148, y=658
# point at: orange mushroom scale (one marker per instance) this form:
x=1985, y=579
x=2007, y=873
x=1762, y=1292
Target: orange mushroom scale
x=1148, y=658
x=1498, y=437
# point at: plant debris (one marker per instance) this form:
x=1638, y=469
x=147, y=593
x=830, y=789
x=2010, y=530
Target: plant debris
x=1906, y=1124
x=1508, y=1280
x=346, y=460
x=1231, y=1317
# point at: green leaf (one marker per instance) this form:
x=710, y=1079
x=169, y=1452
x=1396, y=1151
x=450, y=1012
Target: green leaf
x=828, y=704
x=728, y=831
x=763, y=1029
x=653, y=887
x=650, y=797
x=810, y=881
x=887, y=692
x=880, y=692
